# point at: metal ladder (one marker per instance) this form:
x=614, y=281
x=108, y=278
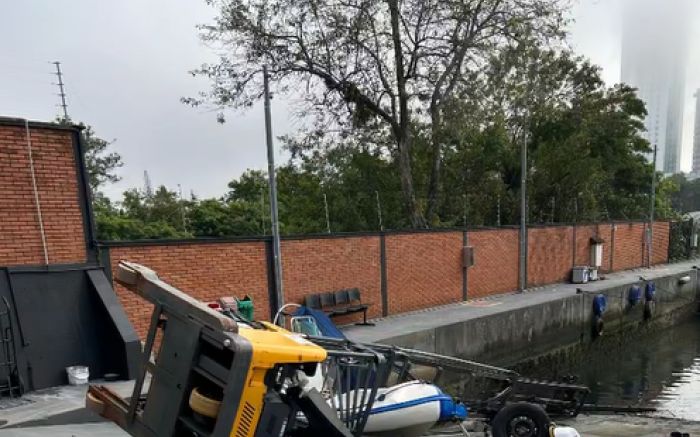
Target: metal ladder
x=10, y=381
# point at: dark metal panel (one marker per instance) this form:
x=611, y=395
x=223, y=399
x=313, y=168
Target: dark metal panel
x=573, y=250
x=130, y=354
x=465, y=269
x=85, y=198
x=612, y=247
x=383, y=275
x=104, y=258
x=64, y=322
x=271, y=292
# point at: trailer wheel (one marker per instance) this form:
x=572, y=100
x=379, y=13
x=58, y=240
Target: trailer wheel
x=521, y=420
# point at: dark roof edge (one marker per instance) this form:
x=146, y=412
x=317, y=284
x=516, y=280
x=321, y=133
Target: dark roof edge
x=16, y=121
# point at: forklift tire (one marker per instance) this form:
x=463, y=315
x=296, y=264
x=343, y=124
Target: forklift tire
x=521, y=420
x=204, y=405
x=93, y=404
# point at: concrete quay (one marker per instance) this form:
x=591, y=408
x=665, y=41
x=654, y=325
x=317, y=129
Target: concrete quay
x=512, y=327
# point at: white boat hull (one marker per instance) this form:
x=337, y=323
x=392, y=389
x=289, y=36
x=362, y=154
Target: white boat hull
x=409, y=409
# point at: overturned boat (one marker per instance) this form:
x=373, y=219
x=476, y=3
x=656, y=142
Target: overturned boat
x=411, y=409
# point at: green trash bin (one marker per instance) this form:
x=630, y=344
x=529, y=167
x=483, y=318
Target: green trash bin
x=245, y=307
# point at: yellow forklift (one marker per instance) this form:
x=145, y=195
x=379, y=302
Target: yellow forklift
x=207, y=374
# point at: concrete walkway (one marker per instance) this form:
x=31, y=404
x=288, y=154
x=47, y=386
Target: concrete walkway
x=53, y=406
x=426, y=320
x=105, y=429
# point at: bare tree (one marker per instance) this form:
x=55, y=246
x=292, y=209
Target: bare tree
x=391, y=66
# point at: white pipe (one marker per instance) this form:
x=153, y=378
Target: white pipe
x=279, y=312
x=36, y=194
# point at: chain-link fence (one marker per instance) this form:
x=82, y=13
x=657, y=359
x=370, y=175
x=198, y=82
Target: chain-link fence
x=683, y=240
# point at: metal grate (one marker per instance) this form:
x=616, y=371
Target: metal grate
x=351, y=379
x=247, y=416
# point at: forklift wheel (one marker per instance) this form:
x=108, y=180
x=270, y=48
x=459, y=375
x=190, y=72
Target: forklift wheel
x=94, y=404
x=204, y=405
x=521, y=420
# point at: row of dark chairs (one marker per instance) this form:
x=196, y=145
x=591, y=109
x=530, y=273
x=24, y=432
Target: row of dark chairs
x=338, y=303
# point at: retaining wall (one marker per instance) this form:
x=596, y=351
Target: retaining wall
x=539, y=324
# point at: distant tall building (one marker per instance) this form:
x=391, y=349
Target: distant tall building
x=654, y=60
x=696, y=143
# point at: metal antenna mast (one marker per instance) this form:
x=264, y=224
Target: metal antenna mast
x=62, y=92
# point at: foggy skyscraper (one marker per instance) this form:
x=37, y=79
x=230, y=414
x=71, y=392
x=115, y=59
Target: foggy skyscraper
x=696, y=140
x=654, y=60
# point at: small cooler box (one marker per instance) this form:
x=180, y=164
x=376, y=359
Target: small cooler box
x=579, y=274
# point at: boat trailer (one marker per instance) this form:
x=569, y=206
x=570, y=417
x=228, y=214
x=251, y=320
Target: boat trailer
x=558, y=399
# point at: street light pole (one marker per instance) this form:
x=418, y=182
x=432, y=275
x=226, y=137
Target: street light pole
x=523, y=217
x=276, y=245
x=650, y=231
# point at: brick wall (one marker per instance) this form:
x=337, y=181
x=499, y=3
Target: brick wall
x=205, y=271
x=325, y=264
x=550, y=254
x=496, y=267
x=659, y=253
x=423, y=270
x=629, y=246
x=55, y=169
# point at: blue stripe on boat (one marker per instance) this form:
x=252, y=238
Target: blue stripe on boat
x=411, y=403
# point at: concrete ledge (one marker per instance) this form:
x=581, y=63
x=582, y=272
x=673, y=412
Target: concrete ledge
x=510, y=327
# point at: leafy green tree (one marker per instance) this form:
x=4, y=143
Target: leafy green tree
x=101, y=164
x=383, y=67
x=217, y=218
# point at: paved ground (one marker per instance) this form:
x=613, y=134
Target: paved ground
x=587, y=426
x=632, y=426
x=424, y=320
x=53, y=406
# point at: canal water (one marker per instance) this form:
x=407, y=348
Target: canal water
x=657, y=368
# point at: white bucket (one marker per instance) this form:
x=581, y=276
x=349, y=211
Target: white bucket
x=78, y=375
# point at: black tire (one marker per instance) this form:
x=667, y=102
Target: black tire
x=521, y=420
x=649, y=307
x=598, y=326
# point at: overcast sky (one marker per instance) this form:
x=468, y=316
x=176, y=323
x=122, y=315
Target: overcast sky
x=125, y=64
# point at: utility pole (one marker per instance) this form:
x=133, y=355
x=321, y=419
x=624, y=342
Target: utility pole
x=652, y=204
x=328, y=216
x=61, y=90
x=182, y=208
x=276, y=245
x=379, y=211
x=498, y=210
x=464, y=213
x=522, y=279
